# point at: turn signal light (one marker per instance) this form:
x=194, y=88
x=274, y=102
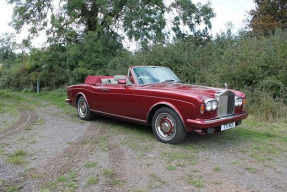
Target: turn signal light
x=202, y=108
x=244, y=102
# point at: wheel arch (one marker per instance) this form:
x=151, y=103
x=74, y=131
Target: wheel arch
x=155, y=107
x=80, y=94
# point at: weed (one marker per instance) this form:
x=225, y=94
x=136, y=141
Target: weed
x=196, y=183
x=17, y=158
x=72, y=176
x=104, y=143
x=49, y=186
x=28, y=128
x=217, y=168
x=118, y=182
x=40, y=121
x=140, y=190
x=92, y=181
x=72, y=185
x=157, y=179
x=176, y=155
x=86, y=141
x=193, y=162
x=234, y=162
x=107, y=172
x=170, y=168
x=251, y=169
x=1, y=151
x=62, y=178
x=91, y=164
x=12, y=188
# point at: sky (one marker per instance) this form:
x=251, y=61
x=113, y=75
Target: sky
x=234, y=11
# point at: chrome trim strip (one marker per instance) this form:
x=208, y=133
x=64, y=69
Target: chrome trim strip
x=144, y=121
x=224, y=118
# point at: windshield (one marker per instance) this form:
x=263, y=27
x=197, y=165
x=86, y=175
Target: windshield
x=150, y=75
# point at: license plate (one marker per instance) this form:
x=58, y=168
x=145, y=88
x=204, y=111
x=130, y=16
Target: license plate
x=227, y=126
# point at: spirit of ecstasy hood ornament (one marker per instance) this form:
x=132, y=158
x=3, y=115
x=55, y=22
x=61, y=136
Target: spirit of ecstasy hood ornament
x=225, y=85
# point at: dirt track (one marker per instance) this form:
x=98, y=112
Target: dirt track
x=67, y=154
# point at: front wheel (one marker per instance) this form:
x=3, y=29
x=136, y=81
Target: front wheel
x=83, y=109
x=167, y=126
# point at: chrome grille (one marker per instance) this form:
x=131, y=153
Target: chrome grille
x=225, y=103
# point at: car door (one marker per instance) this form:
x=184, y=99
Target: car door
x=114, y=99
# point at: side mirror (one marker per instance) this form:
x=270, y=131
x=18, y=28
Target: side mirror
x=122, y=81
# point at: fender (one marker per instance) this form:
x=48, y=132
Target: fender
x=81, y=93
x=167, y=104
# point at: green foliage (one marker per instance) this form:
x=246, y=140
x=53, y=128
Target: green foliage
x=268, y=16
x=140, y=20
x=256, y=66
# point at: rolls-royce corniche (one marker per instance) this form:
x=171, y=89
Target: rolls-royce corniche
x=154, y=96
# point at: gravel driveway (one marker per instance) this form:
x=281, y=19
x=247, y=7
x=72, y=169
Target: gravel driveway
x=57, y=151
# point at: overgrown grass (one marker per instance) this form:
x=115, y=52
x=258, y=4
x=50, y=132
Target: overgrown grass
x=56, y=97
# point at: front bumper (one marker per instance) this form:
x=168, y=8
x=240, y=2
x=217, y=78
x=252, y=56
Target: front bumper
x=195, y=124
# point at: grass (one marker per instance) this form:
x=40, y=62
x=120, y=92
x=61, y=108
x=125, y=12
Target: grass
x=170, y=168
x=91, y=164
x=174, y=155
x=62, y=178
x=92, y=181
x=107, y=172
x=251, y=169
x=57, y=97
x=216, y=168
x=118, y=182
x=1, y=150
x=155, y=178
x=137, y=138
x=12, y=188
x=18, y=158
x=196, y=183
x=40, y=122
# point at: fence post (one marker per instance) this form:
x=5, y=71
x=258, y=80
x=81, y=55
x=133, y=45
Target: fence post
x=38, y=85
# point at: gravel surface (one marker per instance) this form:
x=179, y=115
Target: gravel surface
x=67, y=154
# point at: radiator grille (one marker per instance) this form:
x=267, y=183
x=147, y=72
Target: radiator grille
x=226, y=103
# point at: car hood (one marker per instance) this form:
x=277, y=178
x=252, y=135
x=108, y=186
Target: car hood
x=187, y=89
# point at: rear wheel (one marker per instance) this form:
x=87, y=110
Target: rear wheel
x=167, y=126
x=83, y=109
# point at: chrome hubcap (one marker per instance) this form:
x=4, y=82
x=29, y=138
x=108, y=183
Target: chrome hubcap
x=165, y=126
x=82, y=108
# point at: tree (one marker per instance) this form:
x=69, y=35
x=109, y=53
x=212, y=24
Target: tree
x=140, y=20
x=267, y=16
x=7, y=44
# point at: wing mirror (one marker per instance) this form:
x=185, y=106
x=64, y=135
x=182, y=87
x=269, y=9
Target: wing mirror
x=122, y=81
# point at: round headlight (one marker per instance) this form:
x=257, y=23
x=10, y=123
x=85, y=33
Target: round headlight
x=208, y=106
x=240, y=101
x=236, y=102
x=214, y=105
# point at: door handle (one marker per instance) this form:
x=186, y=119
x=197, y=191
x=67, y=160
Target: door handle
x=104, y=89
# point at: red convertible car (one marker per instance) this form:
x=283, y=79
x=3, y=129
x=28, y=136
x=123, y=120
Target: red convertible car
x=154, y=96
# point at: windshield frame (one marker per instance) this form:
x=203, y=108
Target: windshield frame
x=137, y=80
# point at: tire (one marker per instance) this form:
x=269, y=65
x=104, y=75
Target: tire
x=84, y=111
x=167, y=126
